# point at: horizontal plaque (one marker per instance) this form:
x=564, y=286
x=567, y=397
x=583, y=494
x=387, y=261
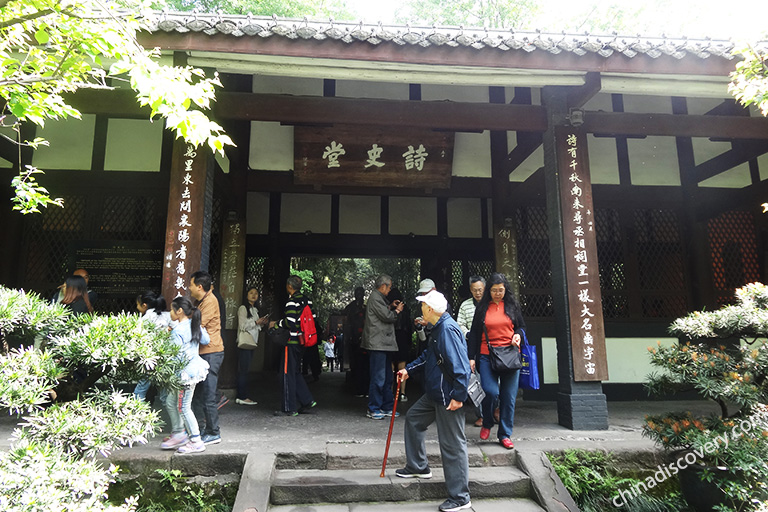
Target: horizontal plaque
x=373, y=156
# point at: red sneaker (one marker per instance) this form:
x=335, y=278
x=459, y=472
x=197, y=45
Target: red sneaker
x=507, y=443
x=485, y=433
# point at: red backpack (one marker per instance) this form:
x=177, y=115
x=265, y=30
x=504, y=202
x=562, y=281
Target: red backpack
x=307, y=329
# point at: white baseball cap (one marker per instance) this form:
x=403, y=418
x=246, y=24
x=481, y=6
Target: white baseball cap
x=435, y=300
x=426, y=285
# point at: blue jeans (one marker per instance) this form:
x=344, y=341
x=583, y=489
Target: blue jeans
x=243, y=365
x=140, y=391
x=171, y=402
x=380, y=396
x=179, y=406
x=501, y=386
x=204, y=402
x=185, y=410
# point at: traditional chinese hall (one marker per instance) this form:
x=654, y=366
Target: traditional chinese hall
x=613, y=179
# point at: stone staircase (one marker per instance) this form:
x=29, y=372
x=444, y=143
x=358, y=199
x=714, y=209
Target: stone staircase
x=346, y=478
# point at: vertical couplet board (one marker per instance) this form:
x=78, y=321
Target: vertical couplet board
x=232, y=270
x=505, y=242
x=186, y=210
x=581, y=268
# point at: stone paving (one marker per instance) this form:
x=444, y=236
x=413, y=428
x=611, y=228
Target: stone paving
x=340, y=418
x=339, y=431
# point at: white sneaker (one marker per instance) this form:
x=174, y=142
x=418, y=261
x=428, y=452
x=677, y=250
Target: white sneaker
x=245, y=401
x=174, y=441
x=192, y=447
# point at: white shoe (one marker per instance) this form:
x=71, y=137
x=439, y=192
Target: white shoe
x=245, y=401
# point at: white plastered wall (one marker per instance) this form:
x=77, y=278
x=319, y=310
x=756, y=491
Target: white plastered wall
x=71, y=144
x=133, y=145
x=465, y=218
x=359, y=215
x=417, y=215
x=300, y=213
x=628, y=360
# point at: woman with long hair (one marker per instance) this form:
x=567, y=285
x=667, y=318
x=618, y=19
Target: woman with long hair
x=76, y=295
x=189, y=335
x=498, y=321
x=248, y=327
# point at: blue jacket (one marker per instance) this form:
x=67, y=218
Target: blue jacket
x=446, y=343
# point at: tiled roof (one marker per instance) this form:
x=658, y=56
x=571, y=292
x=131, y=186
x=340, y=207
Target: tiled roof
x=479, y=39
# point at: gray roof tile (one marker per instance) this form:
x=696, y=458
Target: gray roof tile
x=479, y=39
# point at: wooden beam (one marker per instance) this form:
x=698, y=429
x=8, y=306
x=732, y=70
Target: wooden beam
x=728, y=107
x=674, y=125
x=282, y=181
x=528, y=142
x=579, y=96
x=742, y=152
x=445, y=115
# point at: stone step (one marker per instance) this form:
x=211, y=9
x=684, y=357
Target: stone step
x=366, y=485
x=478, y=505
x=371, y=455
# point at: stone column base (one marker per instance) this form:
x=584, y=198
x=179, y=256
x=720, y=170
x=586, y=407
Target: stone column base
x=582, y=411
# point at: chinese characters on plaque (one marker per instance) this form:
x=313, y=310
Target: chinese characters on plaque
x=184, y=224
x=506, y=252
x=360, y=155
x=582, y=273
x=232, y=271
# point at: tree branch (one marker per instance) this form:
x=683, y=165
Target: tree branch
x=24, y=19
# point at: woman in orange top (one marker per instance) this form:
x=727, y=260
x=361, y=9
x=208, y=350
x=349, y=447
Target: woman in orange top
x=497, y=319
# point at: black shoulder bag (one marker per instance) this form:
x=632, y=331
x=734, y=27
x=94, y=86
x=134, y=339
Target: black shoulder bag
x=505, y=359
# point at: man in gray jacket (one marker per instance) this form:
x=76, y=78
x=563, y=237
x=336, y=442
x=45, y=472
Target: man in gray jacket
x=379, y=341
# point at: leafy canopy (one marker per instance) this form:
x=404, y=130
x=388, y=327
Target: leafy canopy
x=49, y=48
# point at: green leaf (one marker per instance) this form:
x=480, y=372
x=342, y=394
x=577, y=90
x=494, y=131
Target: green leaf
x=42, y=37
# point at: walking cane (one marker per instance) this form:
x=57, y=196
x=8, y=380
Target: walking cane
x=391, y=425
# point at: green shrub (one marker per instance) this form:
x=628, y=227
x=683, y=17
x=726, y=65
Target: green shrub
x=593, y=479
x=735, y=377
x=63, y=378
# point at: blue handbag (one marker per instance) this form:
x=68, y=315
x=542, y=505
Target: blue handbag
x=529, y=373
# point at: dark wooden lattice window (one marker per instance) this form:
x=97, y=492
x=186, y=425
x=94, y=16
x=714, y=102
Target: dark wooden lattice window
x=46, y=242
x=733, y=252
x=612, y=264
x=461, y=271
x=458, y=285
x=660, y=263
x=217, y=219
x=533, y=261
x=259, y=273
x=130, y=218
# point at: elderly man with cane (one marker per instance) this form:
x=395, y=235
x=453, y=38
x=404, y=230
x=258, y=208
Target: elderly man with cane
x=446, y=371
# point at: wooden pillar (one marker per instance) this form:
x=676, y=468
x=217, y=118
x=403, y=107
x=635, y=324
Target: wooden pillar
x=188, y=225
x=581, y=361
x=701, y=287
x=502, y=220
x=232, y=275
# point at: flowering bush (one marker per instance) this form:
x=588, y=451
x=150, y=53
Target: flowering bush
x=65, y=386
x=735, y=376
